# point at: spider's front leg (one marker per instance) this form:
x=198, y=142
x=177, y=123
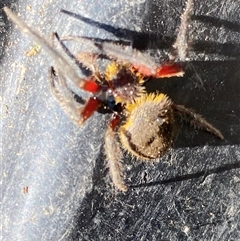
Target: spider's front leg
x=180, y=48
x=181, y=44
x=87, y=59
x=64, y=67
x=114, y=154
x=72, y=107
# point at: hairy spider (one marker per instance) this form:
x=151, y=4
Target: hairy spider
x=144, y=122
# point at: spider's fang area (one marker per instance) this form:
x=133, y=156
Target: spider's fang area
x=91, y=106
x=114, y=121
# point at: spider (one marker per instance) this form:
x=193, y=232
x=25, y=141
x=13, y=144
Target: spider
x=144, y=122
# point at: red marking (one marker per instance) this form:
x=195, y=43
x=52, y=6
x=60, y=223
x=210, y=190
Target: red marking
x=114, y=121
x=90, y=85
x=169, y=70
x=89, y=108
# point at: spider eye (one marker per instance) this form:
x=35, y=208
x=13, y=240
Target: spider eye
x=160, y=121
x=162, y=113
x=111, y=102
x=162, y=117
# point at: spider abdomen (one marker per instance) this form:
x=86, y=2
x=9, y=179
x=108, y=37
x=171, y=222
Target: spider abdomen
x=148, y=130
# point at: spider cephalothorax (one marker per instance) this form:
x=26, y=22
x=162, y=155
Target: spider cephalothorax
x=123, y=83
x=144, y=122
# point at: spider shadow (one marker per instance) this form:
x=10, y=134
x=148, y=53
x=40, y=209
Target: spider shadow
x=4, y=28
x=127, y=35
x=140, y=40
x=209, y=47
x=101, y=199
x=197, y=175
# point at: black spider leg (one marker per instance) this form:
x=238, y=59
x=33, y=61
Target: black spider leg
x=196, y=120
x=67, y=99
x=86, y=60
x=93, y=45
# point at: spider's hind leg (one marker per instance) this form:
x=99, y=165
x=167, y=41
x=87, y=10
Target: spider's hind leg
x=65, y=96
x=196, y=120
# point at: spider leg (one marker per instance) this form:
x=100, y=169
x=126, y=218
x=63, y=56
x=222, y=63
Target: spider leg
x=124, y=54
x=142, y=62
x=64, y=67
x=86, y=59
x=89, y=60
x=118, y=53
x=64, y=47
x=73, y=108
x=65, y=96
x=196, y=120
x=114, y=155
x=180, y=47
